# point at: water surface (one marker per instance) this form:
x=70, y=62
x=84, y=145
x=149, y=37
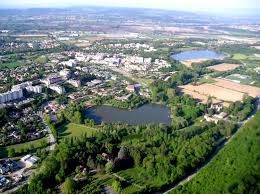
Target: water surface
x=197, y=54
x=149, y=113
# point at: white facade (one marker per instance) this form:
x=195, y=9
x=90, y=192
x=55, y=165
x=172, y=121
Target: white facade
x=70, y=63
x=34, y=89
x=75, y=83
x=21, y=86
x=65, y=73
x=11, y=95
x=52, y=79
x=59, y=89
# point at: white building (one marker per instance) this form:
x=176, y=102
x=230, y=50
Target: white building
x=34, y=89
x=52, y=79
x=59, y=89
x=75, y=83
x=10, y=96
x=69, y=63
x=21, y=86
x=65, y=73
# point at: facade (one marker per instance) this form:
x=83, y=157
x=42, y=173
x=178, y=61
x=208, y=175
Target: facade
x=59, y=89
x=11, y=95
x=75, y=83
x=65, y=73
x=52, y=79
x=70, y=63
x=21, y=86
x=34, y=89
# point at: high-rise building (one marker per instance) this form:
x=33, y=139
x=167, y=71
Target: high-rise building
x=11, y=95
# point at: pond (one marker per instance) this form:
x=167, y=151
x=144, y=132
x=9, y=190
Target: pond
x=149, y=113
x=197, y=54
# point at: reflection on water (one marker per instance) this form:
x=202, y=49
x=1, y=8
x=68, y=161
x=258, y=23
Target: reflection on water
x=149, y=113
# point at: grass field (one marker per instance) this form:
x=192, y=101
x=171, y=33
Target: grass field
x=23, y=148
x=12, y=65
x=75, y=130
x=236, y=78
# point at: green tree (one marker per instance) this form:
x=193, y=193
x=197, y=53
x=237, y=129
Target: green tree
x=69, y=186
x=109, y=167
x=117, y=186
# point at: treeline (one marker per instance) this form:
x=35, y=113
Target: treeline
x=235, y=170
x=134, y=101
x=241, y=110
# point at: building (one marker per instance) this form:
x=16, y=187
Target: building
x=11, y=95
x=58, y=88
x=21, y=86
x=69, y=63
x=133, y=88
x=29, y=159
x=34, y=89
x=65, y=73
x=216, y=117
x=75, y=83
x=52, y=79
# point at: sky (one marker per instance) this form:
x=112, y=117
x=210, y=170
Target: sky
x=185, y=5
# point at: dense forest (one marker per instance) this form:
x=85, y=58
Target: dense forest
x=235, y=169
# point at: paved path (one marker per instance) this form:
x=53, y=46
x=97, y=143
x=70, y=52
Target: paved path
x=51, y=139
x=188, y=178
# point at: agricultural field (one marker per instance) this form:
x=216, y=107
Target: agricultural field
x=196, y=95
x=221, y=89
x=188, y=63
x=215, y=91
x=250, y=90
x=75, y=130
x=224, y=67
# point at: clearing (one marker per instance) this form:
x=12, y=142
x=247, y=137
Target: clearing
x=75, y=130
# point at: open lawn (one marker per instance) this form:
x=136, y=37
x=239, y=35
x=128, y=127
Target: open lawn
x=12, y=65
x=75, y=130
x=237, y=78
x=24, y=148
x=239, y=56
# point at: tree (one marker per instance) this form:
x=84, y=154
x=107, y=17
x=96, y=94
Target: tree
x=123, y=153
x=117, y=186
x=109, y=167
x=69, y=186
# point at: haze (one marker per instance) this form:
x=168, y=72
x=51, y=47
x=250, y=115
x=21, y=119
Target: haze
x=220, y=6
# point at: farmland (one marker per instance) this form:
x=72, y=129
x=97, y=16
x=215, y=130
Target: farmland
x=215, y=91
x=250, y=90
x=224, y=67
x=221, y=89
x=188, y=63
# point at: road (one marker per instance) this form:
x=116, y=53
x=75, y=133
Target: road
x=51, y=139
x=188, y=178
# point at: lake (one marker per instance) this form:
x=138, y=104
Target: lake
x=149, y=113
x=197, y=54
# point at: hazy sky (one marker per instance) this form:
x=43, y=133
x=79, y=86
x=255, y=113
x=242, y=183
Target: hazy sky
x=188, y=5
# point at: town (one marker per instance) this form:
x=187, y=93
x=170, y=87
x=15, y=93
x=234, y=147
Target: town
x=106, y=101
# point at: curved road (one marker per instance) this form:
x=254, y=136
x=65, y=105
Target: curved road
x=188, y=178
